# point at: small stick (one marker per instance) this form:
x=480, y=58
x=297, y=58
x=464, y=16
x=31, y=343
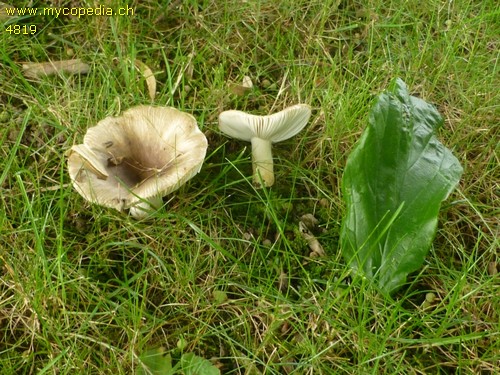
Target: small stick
x=37, y=70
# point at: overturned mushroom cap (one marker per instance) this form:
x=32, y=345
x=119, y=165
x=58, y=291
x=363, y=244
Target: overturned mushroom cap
x=276, y=127
x=142, y=155
x=262, y=131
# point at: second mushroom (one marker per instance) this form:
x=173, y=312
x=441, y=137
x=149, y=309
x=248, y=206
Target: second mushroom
x=262, y=132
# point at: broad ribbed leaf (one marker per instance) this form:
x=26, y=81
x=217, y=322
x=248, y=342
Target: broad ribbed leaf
x=393, y=185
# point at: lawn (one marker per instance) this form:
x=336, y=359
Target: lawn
x=221, y=270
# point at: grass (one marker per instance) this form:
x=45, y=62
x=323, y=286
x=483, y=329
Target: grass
x=222, y=268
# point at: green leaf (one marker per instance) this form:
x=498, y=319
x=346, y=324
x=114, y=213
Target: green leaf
x=155, y=362
x=191, y=364
x=393, y=185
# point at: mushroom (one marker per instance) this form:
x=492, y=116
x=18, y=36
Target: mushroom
x=262, y=131
x=133, y=160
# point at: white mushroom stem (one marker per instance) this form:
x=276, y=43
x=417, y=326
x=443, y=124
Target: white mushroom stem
x=262, y=162
x=142, y=209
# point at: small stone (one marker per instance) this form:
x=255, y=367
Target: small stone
x=325, y=203
x=430, y=297
x=4, y=116
x=267, y=242
x=247, y=82
x=266, y=83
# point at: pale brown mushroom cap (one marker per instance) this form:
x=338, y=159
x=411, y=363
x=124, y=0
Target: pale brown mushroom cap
x=144, y=153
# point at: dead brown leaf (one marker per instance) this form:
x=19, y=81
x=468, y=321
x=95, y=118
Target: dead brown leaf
x=148, y=75
x=241, y=89
x=3, y=13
